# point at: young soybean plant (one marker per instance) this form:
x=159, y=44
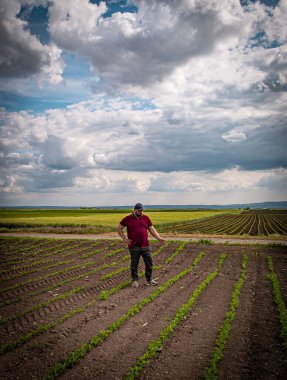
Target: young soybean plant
x=212, y=372
x=281, y=307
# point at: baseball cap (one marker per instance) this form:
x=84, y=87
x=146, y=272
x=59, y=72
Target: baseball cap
x=138, y=206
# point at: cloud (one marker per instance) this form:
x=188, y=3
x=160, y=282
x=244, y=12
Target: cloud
x=234, y=136
x=184, y=98
x=23, y=54
x=113, y=135
x=147, y=46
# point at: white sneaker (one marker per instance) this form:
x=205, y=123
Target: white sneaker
x=135, y=284
x=152, y=282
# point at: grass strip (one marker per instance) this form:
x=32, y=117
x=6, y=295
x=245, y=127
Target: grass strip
x=212, y=371
x=281, y=307
x=173, y=256
x=155, y=345
x=74, y=356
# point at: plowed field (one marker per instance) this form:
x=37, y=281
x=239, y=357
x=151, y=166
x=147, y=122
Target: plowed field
x=68, y=311
x=248, y=223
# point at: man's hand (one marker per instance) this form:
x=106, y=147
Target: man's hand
x=155, y=234
x=127, y=241
x=120, y=229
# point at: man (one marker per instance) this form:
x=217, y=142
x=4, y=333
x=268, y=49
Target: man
x=137, y=240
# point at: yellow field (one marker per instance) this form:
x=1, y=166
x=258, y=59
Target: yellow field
x=98, y=218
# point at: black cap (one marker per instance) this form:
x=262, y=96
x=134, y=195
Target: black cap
x=138, y=206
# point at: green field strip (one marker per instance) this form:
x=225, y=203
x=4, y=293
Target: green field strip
x=212, y=371
x=102, y=296
x=74, y=356
x=156, y=344
x=279, y=301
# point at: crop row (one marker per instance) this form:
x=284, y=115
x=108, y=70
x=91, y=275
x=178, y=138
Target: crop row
x=258, y=223
x=104, y=294
x=187, y=271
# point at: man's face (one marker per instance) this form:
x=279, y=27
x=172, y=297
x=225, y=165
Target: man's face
x=138, y=213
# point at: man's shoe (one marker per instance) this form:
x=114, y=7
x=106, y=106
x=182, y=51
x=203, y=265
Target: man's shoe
x=135, y=284
x=152, y=282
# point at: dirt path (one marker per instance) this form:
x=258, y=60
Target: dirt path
x=215, y=238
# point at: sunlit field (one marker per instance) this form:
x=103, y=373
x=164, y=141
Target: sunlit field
x=98, y=217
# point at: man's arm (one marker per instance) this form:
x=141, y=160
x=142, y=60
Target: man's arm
x=120, y=229
x=155, y=234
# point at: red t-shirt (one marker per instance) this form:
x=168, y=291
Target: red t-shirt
x=137, y=229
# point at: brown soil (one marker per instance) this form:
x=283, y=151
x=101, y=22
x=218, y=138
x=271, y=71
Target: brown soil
x=254, y=349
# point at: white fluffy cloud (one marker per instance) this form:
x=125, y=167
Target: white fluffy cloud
x=187, y=101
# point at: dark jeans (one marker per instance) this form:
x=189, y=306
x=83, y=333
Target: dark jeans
x=136, y=253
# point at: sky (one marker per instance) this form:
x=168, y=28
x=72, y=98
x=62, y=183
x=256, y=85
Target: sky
x=109, y=103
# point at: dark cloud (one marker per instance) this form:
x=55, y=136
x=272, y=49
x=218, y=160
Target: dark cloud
x=21, y=54
x=188, y=149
